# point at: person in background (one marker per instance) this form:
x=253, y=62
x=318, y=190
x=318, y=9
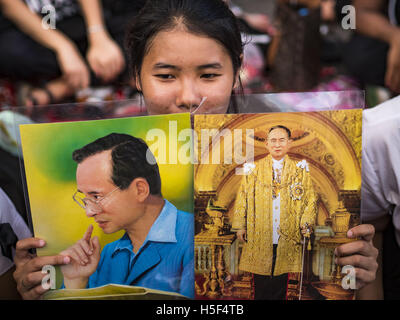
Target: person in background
x=380, y=196
x=373, y=54
x=12, y=228
x=84, y=48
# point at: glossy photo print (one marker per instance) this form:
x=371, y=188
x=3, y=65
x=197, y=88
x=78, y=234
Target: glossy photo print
x=116, y=197
x=275, y=194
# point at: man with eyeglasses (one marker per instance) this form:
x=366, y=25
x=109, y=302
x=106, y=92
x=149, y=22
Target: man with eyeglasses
x=119, y=186
x=274, y=208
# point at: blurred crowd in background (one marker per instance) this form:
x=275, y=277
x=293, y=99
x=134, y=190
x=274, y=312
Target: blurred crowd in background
x=308, y=45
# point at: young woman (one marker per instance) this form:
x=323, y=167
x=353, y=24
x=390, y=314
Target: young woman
x=184, y=53
x=186, y=56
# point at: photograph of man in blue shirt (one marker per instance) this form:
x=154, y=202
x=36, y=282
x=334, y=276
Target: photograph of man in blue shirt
x=119, y=186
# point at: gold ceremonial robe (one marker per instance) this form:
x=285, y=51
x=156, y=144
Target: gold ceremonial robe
x=253, y=213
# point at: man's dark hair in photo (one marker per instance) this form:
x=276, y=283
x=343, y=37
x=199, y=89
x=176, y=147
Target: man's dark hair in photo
x=281, y=127
x=130, y=160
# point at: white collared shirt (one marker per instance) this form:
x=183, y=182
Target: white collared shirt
x=380, y=189
x=277, y=166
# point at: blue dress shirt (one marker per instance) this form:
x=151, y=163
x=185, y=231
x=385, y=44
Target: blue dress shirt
x=164, y=262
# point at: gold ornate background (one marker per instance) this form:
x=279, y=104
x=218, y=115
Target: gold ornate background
x=330, y=141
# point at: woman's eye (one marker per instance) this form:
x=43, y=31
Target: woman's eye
x=210, y=75
x=165, y=76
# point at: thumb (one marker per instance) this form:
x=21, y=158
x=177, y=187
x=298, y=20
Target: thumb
x=364, y=231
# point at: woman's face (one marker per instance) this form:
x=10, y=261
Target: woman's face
x=182, y=70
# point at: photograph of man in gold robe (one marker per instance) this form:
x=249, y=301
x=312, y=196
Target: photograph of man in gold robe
x=275, y=209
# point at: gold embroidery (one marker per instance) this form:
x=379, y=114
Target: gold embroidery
x=253, y=212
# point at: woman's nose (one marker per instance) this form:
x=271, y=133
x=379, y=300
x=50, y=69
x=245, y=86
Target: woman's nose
x=188, y=96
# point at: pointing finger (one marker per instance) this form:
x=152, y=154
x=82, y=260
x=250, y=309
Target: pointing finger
x=88, y=233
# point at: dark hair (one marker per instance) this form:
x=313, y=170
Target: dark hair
x=211, y=18
x=281, y=127
x=131, y=159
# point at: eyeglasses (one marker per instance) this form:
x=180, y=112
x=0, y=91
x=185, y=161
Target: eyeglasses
x=95, y=205
x=280, y=141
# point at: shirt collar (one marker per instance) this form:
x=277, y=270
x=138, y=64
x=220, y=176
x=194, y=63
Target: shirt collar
x=162, y=230
x=123, y=243
x=278, y=163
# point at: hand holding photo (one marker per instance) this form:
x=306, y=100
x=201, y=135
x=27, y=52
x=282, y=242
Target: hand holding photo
x=85, y=256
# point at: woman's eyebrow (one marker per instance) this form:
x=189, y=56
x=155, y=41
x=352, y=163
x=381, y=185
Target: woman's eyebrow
x=215, y=65
x=161, y=65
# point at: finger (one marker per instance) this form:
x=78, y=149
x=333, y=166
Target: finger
x=23, y=246
x=73, y=254
x=113, y=66
x=78, y=79
x=363, y=277
x=96, y=67
x=111, y=69
x=86, y=79
x=361, y=247
x=31, y=280
x=70, y=79
x=107, y=73
x=86, y=247
x=83, y=78
x=96, y=247
x=360, y=284
x=79, y=255
x=365, y=231
x=88, y=233
x=74, y=82
x=359, y=261
x=38, y=263
x=35, y=293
